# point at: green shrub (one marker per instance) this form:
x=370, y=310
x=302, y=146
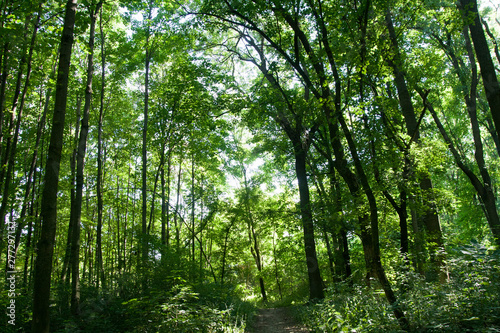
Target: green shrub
x=469, y=302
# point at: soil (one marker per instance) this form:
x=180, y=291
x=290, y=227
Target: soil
x=277, y=320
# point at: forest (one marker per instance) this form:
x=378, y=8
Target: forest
x=184, y=165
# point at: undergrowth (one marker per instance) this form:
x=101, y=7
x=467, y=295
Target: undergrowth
x=182, y=308
x=469, y=302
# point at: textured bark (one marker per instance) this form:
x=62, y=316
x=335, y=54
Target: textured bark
x=43, y=266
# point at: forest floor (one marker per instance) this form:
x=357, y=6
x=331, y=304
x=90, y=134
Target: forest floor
x=276, y=320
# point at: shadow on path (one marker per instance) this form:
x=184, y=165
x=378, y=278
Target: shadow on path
x=277, y=320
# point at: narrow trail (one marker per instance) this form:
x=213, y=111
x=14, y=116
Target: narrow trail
x=276, y=320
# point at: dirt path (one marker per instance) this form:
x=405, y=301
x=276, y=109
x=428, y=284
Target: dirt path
x=276, y=320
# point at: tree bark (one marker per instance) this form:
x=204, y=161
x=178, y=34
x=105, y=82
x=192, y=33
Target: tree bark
x=80, y=161
x=66, y=269
x=100, y=277
x=430, y=216
x=144, y=239
x=315, y=280
x=490, y=81
x=43, y=266
x=252, y=236
x=484, y=191
x=10, y=157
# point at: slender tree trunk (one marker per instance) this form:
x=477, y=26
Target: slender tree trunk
x=66, y=270
x=224, y=250
x=6, y=10
x=252, y=236
x=490, y=81
x=276, y=271
x=334, y=271
x=30, y=179
x=3, y=87
x=484, y=191
x=118, y=228
x=167, y=201
x=430, y=216
x=176, y=224
x=43, y=266
x=98, y=251
x=163, y=200
x=80, y=161
x=14, y=108
x=10, y=157
x=144, y=240
x=151, y=226
x=193, y=199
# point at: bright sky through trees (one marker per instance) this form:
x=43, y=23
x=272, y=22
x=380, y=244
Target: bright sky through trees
x=173, y=166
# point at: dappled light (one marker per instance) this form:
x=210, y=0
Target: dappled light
x=250, y=166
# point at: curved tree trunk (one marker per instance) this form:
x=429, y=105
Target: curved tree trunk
x=430, y=217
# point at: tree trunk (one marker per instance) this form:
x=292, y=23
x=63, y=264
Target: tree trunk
x=300, y=153
x=144, y=240
x=30, y=179
x=12, y=120
x=66, y=270
x=80, y=161
x=430, y=216
x=43, y=266
x=3, y=87
x=315, y=281
x=252, y=236
x=224, y=250
x=98, y=251
x=11, y=156
x=176, y=224
x=484, y=191
x=490, y=82
x=163, y=201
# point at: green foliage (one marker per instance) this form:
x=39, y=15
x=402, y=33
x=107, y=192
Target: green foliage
x=181, y=308
x=468, y=302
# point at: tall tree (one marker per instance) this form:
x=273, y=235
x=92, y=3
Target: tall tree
x=488, y=73
x=80, y=161
x=43, y=266
x=99, y=179
x=430, y=216
x=147, y=62
x=9, y=160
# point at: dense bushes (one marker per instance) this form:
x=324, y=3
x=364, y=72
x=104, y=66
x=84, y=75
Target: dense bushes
x=182, y=308
x=468, y=303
